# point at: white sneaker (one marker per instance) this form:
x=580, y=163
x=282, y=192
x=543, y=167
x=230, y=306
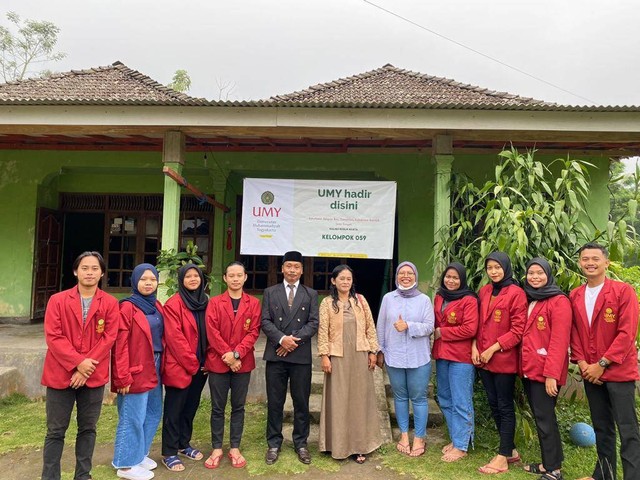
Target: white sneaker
x=135, y=473
x=148, y=464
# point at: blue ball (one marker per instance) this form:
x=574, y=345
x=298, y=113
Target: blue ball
x=582, y=435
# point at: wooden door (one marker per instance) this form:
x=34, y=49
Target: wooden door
x=47, y=259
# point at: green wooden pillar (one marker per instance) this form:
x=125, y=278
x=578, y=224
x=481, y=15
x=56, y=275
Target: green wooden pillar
x=219, y=238
x=443, y=159
x=173, y=155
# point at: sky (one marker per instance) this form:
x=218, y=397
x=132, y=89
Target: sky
x=265, y=47
x=576, y=52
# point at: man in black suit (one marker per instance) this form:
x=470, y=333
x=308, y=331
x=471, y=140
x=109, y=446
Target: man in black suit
x=290, y=320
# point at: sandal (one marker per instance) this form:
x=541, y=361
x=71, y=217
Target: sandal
x=403, y=448
x=173, y=463
x=551, y=476
x=515, y=459
x=417, y=451
x=359, y=458
x=237, y=462
x=489, y=470
x=534, y=468
x=213, y=462
x=192, y=453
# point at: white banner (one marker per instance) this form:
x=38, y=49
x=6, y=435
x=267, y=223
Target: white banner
x=319, y=218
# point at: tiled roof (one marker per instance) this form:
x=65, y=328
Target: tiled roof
x=115, y=84
x=395, y=87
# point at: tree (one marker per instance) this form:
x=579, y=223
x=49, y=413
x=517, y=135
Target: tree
x=624, y=197
x=33, y=43
x=527, y=210
x=181, y=81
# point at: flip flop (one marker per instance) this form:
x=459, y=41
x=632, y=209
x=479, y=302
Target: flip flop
x=237, y=462
x=359, y=458
x=489, y=470
x=515, y=459
x=213, y=462
x=173, y=463
x=416, y=452
x=403, y=448
x=192, y=453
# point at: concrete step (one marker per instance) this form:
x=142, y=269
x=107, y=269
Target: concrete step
x=436, y=418
x=10, y=381
x=314, y=433
x=315, y=404
x=317, y=381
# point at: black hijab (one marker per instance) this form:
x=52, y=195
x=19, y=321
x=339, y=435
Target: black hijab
x=462, y=291
x=196, y=301
x=505, y=262
x=551, y=289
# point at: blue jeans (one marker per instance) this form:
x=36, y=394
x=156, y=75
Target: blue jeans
x=455, y=396
x=139, y=415
x=411, y=384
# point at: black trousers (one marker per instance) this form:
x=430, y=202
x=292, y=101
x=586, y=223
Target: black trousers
x=180, y=408
x=611, y=404
x=499, y=388
x=297, y=376
x=544, y=412
x=219, y=386
x=59, y=405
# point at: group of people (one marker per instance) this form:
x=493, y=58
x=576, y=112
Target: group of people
x=502, y=331
x=533, y=331
x=181, y=344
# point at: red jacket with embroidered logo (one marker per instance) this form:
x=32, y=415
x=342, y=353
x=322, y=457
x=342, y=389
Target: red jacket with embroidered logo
x=132, y=363
x=612, y=333
x=547, y=329
x=227, y=333
x=502, y=322
x=458, y=325
x=179, y=360
x=70, y=341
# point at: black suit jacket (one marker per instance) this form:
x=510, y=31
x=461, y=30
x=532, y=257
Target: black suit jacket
x=301, y=320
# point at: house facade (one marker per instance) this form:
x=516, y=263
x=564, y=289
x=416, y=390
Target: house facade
x=82, y=157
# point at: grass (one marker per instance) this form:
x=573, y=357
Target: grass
x=22, y=426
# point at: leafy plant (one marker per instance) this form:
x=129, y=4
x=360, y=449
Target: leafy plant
x=170, y=262
x=528, y=209
x=624, y=196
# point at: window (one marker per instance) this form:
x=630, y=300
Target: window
x=196, y=228
x=133, y=230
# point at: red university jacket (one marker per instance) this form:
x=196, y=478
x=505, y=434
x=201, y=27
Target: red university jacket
x=458, y=325
x=544, y=351
x=503, y=322
x=612, y=333
x=132, y=362
x=226, y=333
x=70, y=341
x=179, y=361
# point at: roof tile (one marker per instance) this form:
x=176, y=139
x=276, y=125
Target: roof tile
x=392, y=86
x=115, y=84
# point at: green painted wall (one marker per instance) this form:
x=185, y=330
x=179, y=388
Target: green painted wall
x=32, y=179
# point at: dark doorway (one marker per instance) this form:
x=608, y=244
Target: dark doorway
x=371, y=277
x=82, y=232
